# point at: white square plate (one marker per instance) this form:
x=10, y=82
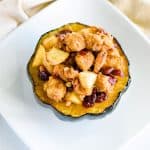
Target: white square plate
x=41, y=127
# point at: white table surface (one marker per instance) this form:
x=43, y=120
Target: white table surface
x=10, y=141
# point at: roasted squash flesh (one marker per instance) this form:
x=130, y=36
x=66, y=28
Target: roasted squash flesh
x=76, y=109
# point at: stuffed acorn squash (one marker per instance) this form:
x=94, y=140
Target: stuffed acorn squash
x=79, y=69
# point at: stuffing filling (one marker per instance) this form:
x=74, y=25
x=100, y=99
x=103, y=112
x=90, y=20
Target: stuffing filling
x=80, y=67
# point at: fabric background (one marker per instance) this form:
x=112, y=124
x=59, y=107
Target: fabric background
x=15, y=12
x=137, y=10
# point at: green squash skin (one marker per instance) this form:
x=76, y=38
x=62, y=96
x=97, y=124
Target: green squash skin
x=62, y=116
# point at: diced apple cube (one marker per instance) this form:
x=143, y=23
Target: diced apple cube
x=38, y=59
x=56, y=56
x=87, y=79
x=50, y=42
x=73, y=98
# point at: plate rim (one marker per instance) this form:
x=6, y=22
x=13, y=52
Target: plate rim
x=140, y=33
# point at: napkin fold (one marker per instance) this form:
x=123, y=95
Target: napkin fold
x=137, y=10
x=15, y=12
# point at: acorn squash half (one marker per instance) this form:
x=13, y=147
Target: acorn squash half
x=75, y=109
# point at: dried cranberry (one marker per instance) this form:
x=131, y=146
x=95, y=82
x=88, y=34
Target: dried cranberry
x=93, y=96
x=107, y=71
x=117, y=72
x=112, y=80
x=101, y=96
x=43, y=75
x=89, y=100
x=94, y=90
x=83, y=52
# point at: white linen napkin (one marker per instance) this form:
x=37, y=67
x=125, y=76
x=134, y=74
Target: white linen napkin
x=137, y=10
x=15, y=12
